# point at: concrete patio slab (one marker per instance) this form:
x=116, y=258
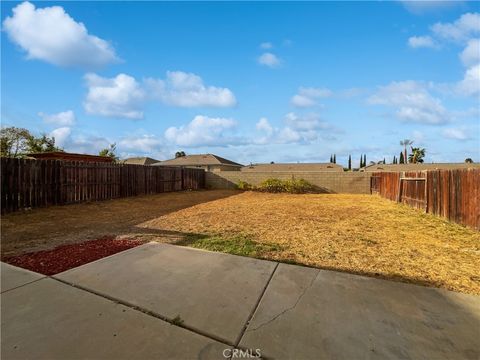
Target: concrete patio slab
x=212, y=293
x=47, y=319
x=12, y=276
x=315, y=314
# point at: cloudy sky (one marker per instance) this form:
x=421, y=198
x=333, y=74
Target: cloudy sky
x=253, y=82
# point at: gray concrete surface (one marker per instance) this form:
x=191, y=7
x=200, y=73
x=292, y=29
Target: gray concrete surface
x=51, y=320
x=298, y=313
x=315, y=314
x=12, y=277
x=212, y=293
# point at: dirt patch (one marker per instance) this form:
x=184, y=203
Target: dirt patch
x=41, y=229
x=360, y=234
x=65, y=257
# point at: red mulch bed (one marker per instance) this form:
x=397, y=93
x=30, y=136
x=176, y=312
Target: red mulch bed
x=65, y=257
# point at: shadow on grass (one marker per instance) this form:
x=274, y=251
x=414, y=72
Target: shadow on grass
x=46, y=228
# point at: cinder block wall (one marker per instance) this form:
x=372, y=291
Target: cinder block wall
x=336, y=182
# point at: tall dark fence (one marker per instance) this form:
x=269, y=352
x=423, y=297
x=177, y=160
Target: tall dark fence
x=453, y=194
x=37, y=183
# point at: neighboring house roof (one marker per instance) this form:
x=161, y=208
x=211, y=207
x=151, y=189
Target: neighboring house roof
x=61, y=155
x=418, y=167
x=139, y=161
x=198, y=160
x=294, y=167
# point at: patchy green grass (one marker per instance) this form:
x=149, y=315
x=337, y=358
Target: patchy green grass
x=239, y=244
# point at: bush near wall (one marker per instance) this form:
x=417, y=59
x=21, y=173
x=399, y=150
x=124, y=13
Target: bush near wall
x=272, y=185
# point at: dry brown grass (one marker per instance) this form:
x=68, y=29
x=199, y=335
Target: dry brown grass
x=355, y=233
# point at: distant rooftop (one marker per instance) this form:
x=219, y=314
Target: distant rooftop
x=139, y=161
x=198, y=160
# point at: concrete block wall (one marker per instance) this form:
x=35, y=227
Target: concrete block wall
x=336, y=182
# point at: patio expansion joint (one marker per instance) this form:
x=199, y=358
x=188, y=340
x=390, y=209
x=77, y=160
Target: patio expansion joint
x=304, y=291
x=19, y=286
x=146, y=312
x=244, y=329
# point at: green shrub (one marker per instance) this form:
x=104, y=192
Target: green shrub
x=294, y=186
x=299, y=186
x=272, y=186
x=243, y=185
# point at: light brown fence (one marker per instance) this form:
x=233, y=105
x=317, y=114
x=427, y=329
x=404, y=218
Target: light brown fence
x=37, y=183
x=454, y=194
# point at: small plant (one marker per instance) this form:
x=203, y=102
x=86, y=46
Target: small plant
x=177, y=320
x=243, y=185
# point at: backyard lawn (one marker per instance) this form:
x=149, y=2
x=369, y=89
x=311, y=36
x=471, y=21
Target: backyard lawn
x=359, y=234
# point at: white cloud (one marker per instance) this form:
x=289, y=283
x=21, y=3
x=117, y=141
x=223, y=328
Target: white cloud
x=456, y=134
x=87, y=144
x=297, y=129
x=471, y=54
x=308, y=96
x=61, y=135
x=51, y=35
x=412, y=102
x=461, y=30
x=203, y=131
x=79, y=143
x=264, y=125
x=269, y=59
x=188, y=90
x=141, y=144
x=306, y=122
x=121, y=96
x=266, y=45
x=470, y=85
x=64, y=118
x=421, y=42
x=465, y=31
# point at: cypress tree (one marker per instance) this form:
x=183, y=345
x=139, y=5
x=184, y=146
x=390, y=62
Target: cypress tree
x=349, y=162
x=384, y=161
x=331, y=159
x=364, y=159
x=334, y=158
x=402, y=160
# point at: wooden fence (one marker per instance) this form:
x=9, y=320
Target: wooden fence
x=453, y=194
x=37, y=183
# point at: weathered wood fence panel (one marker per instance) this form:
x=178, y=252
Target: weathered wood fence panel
x=37, y=183
x=453, y=194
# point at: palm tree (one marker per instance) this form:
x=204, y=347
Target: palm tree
x=417, y=155
x=405, y=143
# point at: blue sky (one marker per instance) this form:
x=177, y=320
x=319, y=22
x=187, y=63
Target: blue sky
x=253, y=82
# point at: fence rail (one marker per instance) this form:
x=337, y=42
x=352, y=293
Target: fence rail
x=453, y=194
x=36, y=183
